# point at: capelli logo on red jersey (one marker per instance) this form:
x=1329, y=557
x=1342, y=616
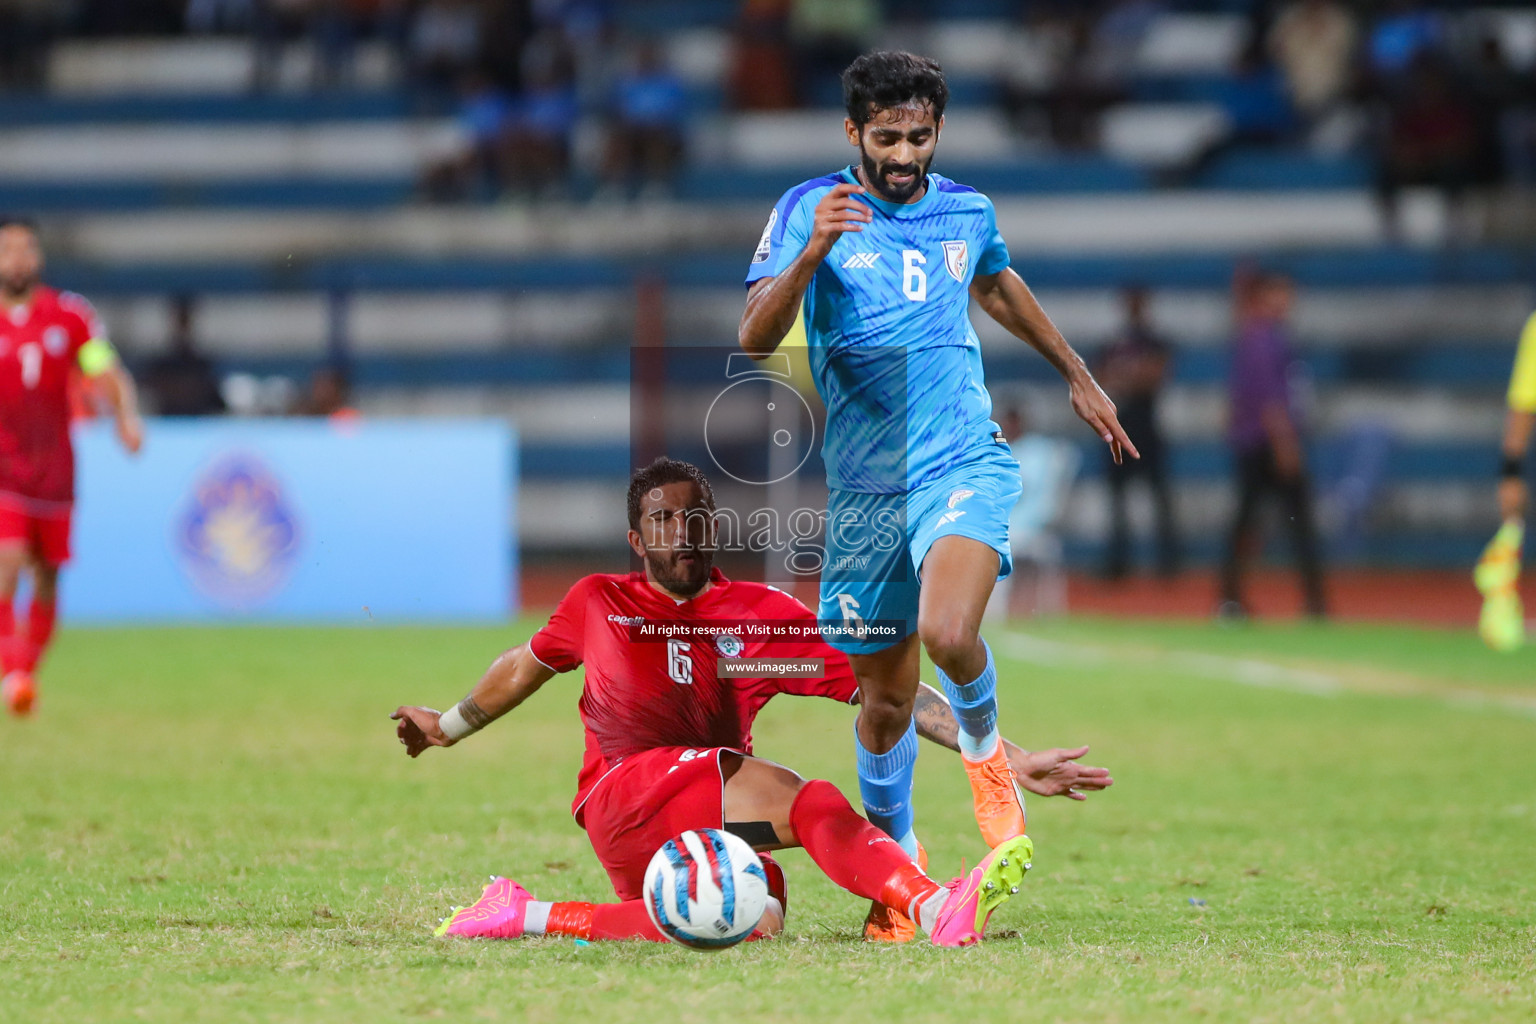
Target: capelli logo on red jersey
x=627, y=620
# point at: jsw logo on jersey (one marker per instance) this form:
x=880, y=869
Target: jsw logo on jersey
x=861, y=260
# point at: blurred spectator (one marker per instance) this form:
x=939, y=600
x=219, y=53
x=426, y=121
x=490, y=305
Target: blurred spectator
x=443, y=43
x=648, y=118
x=1503, y=102
x=27, y=28
x=1133, y=371
x=1258, y=113
x=1057, y=77
x=1266, y=436
x=329, y=395
x=1313, y=41
x=1430, y=138
x=476, y=168
x=536, y=147
x=827, y=35
x=183, y=382
x=762, y=77
x=1403, y=33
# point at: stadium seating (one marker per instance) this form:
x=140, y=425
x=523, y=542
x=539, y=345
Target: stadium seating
x=295, y=220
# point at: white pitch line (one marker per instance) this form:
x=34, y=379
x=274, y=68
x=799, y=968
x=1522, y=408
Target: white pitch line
x=1244, y=671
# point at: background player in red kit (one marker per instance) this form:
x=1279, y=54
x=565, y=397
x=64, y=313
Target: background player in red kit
x=669, y=744
x=46, y=337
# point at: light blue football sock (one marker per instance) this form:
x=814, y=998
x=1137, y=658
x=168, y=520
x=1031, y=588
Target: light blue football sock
x=975, y=707
x=885, y=785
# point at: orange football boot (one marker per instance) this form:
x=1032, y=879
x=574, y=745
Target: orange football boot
x=999, y=803
x=886, y=925
x=20, y=692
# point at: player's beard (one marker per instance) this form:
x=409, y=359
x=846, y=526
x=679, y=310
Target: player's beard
x=877, y=177
x=683, y=577
x=17, y=286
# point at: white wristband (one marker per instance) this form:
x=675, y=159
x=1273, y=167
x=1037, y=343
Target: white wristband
x=454, y=725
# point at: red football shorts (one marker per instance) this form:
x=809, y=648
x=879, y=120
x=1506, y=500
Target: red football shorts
x=649, y=798
x=46, y=537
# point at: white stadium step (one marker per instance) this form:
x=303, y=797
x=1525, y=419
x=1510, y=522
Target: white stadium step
x=486, y=320
x=86, y=67
x=354, y=149
x=1071, y=225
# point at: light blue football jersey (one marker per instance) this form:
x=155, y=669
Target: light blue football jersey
x=894, y=354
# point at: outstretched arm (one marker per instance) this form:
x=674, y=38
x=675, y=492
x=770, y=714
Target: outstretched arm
x=511, y=679
x=1052, y=772
x=1007, y=299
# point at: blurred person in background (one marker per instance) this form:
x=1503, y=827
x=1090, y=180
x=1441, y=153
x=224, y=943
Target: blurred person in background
x=27, y=28
x=1050, y=82
x=1402, y=32
x=1265, y=434
x=47, y=338
x=762, y=75
x=828, y=34
x=536, y=147
x=1314, y=43
x=1503, y=102
x=1430, y=138
x=476, y=166
x=1258, y=111
x=1502, y=622
x=329, y=395
x=1133, y=371
x=183, y=382
x=648, y=118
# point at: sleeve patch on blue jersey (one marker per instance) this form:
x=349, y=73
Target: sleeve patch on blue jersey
x=765, y=244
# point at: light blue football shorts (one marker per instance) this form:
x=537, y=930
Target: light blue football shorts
x=876, y=543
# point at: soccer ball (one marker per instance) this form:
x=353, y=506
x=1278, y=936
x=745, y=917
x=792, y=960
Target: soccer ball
x=706, y=889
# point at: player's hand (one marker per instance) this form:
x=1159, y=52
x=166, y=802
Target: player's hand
x=418, y=729
x=838, y=212
x=130, y=433
x=1513, y=496
x=1094, y=407
x=1057, y=773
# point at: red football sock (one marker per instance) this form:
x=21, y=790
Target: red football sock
x=572, y=918
x=40, y=619
x=627, y=920
x=7, y=635
x=855, y=854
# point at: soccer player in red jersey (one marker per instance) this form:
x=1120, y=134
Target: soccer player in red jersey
x=46, y=337
x=669, y=744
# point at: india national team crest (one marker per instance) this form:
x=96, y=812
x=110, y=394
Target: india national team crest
x=238, y=535
x=957, y=257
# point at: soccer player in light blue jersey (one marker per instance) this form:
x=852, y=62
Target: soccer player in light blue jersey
x=883, y=258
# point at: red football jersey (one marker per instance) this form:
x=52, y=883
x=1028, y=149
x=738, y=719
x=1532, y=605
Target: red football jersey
x=646, y=693
x=39, y=351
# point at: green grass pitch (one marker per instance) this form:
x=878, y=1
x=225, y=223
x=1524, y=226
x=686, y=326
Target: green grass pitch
x=1308, y=823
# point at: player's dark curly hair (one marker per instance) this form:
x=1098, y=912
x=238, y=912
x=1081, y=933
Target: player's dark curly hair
x=664, y=471
x=9, y=221
x=888, y=78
